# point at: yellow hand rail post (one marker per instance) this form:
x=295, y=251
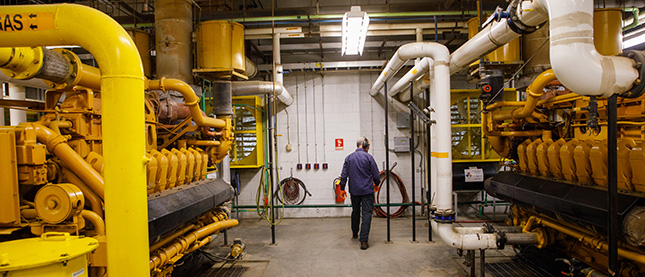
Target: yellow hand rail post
x=122, y=85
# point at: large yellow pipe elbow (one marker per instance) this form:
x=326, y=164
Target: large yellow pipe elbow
x=190, y=98
x=122, y=86
x=534, y=92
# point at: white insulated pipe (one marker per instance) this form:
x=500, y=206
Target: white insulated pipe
x=402, y=55
x=438, y=56
x=574, y=58
x=284, y=96
x=494, y=35
x=262, y=87
x=417, y=71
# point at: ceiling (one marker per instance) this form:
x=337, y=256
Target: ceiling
x=392, y=23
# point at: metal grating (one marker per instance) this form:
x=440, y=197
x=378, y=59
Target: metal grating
x=514, y=268
x=232, y=271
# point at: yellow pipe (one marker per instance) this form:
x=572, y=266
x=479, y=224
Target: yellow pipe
x=27, y=62
x=190, y=98
x=203, y=142
x=595, y=242
x=123, y=127
x=97, y=221
x=501, y=104
x=170, y=238
x=564, y=97
x=57, y=144
x=182, y=244
x=95, y=202
x=533, y=93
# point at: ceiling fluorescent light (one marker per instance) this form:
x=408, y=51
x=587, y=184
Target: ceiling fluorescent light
x=355, y=25
x=634, y=39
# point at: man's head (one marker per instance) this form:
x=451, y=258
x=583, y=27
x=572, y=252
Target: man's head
x=363, y=142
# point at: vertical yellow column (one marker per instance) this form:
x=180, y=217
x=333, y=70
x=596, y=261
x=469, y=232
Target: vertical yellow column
x=123, y=127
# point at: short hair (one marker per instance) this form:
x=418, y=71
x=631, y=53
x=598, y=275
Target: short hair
x=362, y=142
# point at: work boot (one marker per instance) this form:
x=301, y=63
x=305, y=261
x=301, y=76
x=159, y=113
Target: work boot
x=364, y=245
x=355, y=236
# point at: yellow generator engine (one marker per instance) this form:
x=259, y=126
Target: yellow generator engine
x=557, y=140
x=51, y=171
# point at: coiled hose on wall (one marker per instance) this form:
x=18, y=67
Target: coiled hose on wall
x=290, y=191
x=404, y=194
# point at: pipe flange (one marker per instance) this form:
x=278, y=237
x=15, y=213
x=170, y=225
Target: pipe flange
x=444, y=216
x=639, y=84
x=501, y=239
x=516, y=24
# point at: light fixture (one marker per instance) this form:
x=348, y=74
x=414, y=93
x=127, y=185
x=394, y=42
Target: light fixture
x=355, y=24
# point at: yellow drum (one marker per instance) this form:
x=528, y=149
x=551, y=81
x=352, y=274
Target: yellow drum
x=220, y=46
x=51, y=255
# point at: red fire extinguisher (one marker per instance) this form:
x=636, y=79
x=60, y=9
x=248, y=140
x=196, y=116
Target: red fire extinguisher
x=340, y=194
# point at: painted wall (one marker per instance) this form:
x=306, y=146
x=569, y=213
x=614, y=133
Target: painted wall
x=343, y=109
x=349, y=112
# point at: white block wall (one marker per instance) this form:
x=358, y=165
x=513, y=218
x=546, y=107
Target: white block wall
x=349, y=112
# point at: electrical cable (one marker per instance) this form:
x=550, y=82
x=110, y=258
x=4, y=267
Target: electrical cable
x=404, y=194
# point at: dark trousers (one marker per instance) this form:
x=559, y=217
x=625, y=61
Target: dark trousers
x=362, y=206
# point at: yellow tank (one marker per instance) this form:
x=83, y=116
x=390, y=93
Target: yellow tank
x=220, y=47
x=510, y=52
x=142, y=40
x=51, y=255
x=608, y=32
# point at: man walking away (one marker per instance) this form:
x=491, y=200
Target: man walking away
x=360, y=168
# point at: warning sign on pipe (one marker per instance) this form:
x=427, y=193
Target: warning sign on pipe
x=19, y=22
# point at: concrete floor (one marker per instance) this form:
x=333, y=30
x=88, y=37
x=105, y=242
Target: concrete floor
x=324, y=247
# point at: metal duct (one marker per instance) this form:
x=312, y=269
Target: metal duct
x=173, y=29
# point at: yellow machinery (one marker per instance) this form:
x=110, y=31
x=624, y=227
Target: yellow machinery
x=79, y=165
x=558, y=140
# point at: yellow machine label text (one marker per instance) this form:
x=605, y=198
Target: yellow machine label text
x=19, y=22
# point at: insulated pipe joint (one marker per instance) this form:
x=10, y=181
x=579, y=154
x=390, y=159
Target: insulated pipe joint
x=574, y=58
x=639, y=86
x=444, y=216
x=515, y=9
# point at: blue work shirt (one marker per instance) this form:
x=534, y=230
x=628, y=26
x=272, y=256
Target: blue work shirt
x=361, y=169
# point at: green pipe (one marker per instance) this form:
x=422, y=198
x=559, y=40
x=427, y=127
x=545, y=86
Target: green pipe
x=328, y=16
x=635, y=11
x=340, y=16
x=324, y=206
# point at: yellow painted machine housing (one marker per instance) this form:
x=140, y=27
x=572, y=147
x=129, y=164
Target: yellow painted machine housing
x=220, y=49
x=51, y=171
x=51, y=255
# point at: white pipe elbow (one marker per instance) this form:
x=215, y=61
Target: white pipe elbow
x=390, y=69
x=574, y=58
x=465, y=241
x=418, y=70
x=283, y=95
